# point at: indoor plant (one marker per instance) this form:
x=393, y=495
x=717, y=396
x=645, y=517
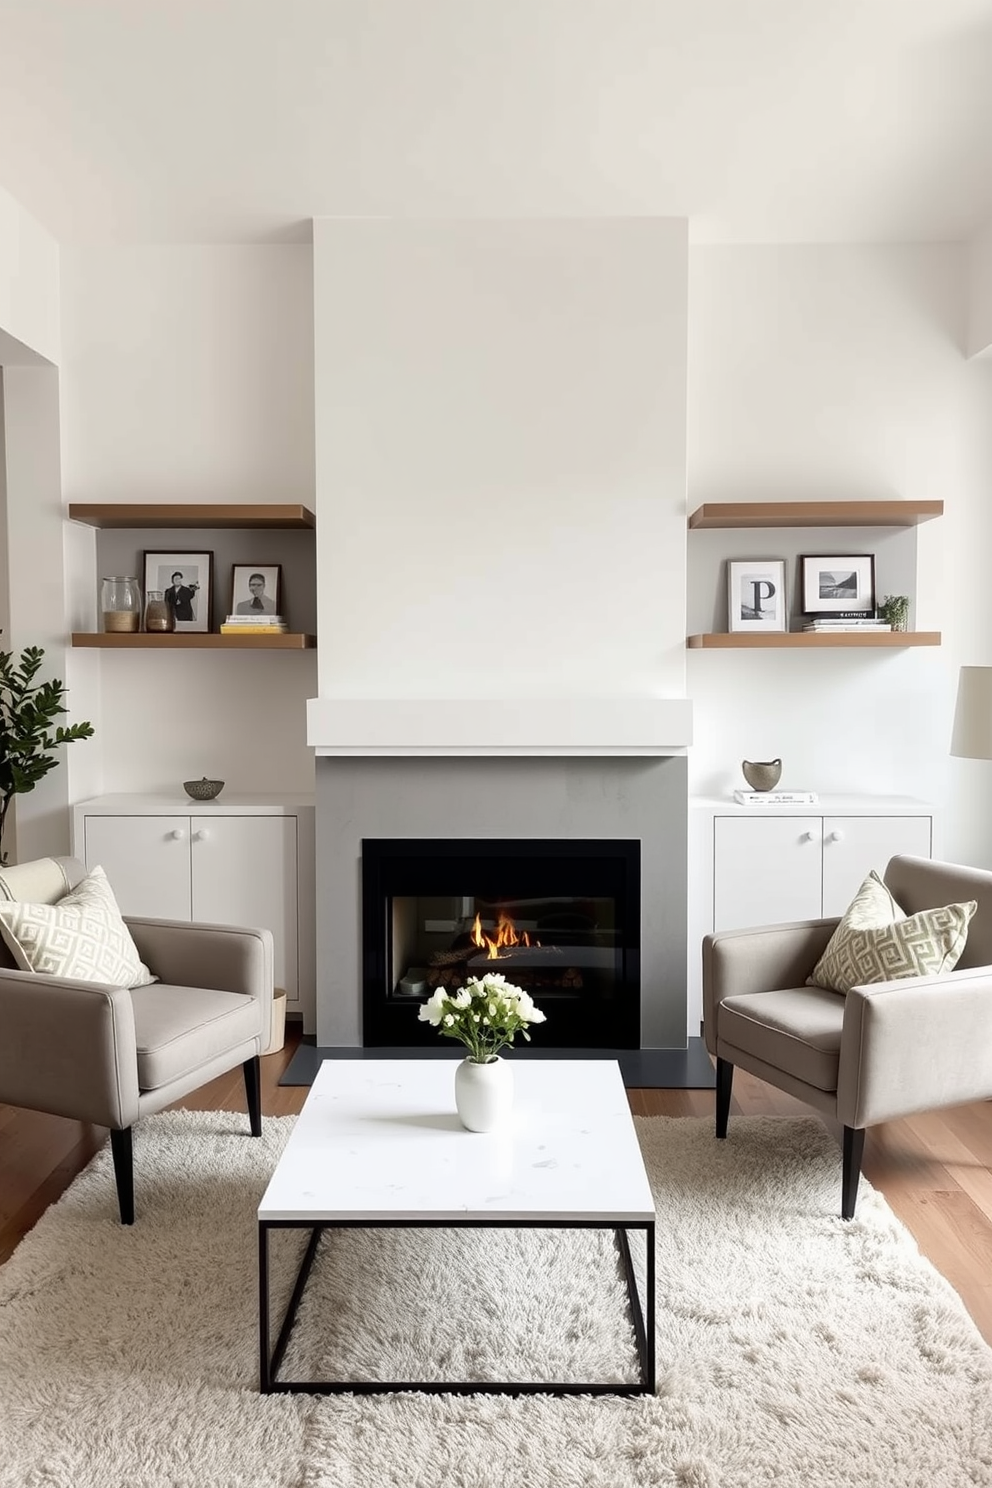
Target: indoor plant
x=485, y=1015
x=895, y=609
x=27, y=710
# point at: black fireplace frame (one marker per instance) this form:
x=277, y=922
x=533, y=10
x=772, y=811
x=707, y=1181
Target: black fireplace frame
x=585, y=866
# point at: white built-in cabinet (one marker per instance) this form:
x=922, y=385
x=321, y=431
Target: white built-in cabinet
x=754, y=865
x=239, y=860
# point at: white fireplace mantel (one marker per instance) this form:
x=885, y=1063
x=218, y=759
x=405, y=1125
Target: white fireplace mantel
x=508, y=726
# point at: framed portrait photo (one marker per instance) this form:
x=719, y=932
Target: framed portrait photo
x=185, y=582
x=756, y=594
x=835, y=583
x=256, y=589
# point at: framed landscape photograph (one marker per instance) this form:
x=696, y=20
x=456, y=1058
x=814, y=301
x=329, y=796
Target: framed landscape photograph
x=756, y=594
x=185, y=581
x=256, y=589
x=834, y=584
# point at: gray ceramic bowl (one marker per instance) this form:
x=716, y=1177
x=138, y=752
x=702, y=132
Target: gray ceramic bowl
x=203, y=790
x=762, y=775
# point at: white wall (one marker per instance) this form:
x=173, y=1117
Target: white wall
x=514, y=521
x=188, y=376
x=29, y=286
x=840, y=373
x=500, y=427
x=37, y=594
x=32, y=610
x=979, y=336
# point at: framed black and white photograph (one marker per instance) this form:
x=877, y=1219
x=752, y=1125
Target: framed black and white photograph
x=185, y=582
x=832, y=583
x=255, y=589
x=756, y=594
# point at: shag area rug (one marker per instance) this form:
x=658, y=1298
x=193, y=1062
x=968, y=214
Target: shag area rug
x=793, y=1348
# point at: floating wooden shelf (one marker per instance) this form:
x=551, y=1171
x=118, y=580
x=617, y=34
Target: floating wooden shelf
x=805, y=640
x=192, y=641
x=814, y=513
x=140, y=514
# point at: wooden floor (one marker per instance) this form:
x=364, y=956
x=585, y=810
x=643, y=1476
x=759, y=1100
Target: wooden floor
x=935, y=1170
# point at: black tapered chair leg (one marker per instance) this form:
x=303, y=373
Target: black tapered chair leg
x=854, y=1146
x=122, y=1148
x=253, y=1093
x=724, y=1083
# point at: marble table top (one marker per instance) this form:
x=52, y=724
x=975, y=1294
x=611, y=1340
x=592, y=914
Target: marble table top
x=379, y=1140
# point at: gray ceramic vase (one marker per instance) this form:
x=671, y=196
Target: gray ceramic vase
x=762, y=775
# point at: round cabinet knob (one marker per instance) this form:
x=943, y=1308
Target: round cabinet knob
x=809, y=837
x=836, y=836
x=177, y=834
x=200, y=835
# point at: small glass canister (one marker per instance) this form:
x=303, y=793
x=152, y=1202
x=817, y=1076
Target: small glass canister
x=120, y=602
x=159, y=616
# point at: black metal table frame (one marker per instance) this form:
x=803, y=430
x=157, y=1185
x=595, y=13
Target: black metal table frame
x=270, y=1359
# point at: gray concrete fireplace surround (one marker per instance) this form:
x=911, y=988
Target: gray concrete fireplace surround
x=509, y=796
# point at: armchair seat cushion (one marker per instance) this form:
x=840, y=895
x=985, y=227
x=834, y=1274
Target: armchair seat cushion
x=178, y=1029
x=796, y=1029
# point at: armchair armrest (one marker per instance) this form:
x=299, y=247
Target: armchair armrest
x=229, y=958
x=760, y=959
x=68, y=1047
x=915, y=1044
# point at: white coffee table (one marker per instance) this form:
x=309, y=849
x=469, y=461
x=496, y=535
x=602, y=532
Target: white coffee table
x=378, y=1144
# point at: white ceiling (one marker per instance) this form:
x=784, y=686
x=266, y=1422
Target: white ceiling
x=239, y=120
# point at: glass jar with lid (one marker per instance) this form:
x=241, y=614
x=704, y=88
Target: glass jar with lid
x=160, y=618
x=120, y=603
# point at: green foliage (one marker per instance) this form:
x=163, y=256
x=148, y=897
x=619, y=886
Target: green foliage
x=895, y=609
x=27, y=712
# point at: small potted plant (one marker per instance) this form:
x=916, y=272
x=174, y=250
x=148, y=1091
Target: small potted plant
x=27, y=712
x=895, y=610
x=485, y=1015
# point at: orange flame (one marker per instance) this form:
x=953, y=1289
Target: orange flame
x=506, y=935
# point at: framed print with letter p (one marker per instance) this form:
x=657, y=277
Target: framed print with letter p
x=756, y=594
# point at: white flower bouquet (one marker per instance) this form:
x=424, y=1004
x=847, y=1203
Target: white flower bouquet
x=486, y=1015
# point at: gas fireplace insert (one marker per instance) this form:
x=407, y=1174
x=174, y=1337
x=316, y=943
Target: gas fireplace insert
x=559, y=918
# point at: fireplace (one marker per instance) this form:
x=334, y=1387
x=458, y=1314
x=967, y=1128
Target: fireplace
x=560, y=918
x=511, y=804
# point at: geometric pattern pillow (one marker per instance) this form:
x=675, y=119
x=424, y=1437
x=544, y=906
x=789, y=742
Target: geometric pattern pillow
x=82, y=936
x=924, y=944
x=872, y=908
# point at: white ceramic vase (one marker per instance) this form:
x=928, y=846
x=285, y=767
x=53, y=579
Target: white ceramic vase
x=483, y=1094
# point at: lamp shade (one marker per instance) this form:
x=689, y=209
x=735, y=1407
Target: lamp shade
x=972, y=733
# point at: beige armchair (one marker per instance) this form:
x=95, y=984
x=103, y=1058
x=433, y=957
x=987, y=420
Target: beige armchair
x=884, y=1050
x=108, y=1054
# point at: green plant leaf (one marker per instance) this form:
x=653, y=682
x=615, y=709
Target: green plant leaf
x=27, y=713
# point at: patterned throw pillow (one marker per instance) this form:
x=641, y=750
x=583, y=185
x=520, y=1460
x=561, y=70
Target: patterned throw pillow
x=876, y=942
x=82, y=936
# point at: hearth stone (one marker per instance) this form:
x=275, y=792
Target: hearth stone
x=641, y=1069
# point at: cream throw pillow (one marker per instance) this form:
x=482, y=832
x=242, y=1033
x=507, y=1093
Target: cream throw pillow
x=82, y=936
x=876, y=942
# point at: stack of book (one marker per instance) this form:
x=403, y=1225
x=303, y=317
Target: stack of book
x=254, y=625
x=776, y=798
x=851, y=620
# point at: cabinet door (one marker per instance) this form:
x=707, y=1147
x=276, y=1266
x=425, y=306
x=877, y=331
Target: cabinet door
x=146, y=859
x=765, y=869
x=853, y=845
x=245, y=873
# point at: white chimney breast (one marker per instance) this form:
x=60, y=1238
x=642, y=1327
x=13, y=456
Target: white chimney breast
x=500, y=423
